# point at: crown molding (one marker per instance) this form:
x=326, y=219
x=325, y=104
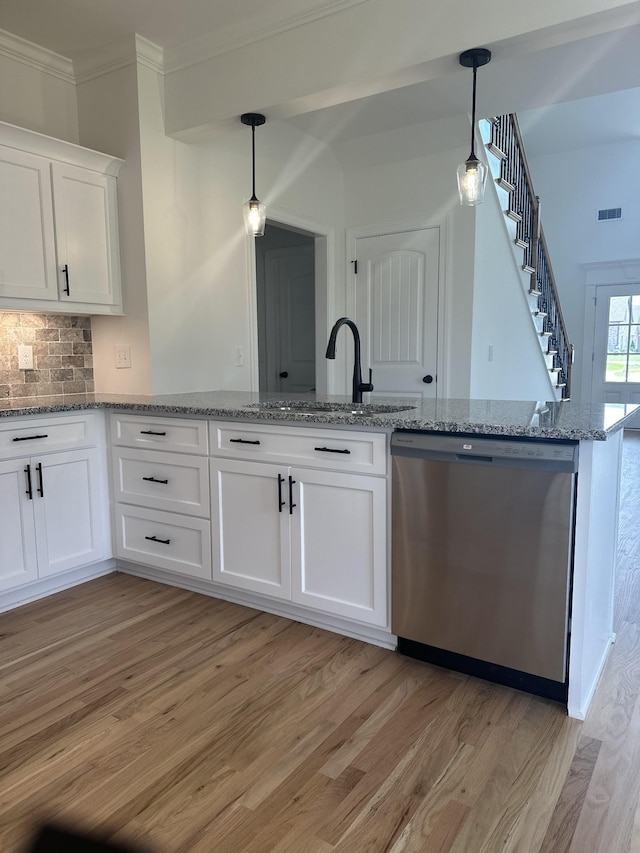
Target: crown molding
x=43, y=60
x=612, y=272
x=222, y=41
x=116, y=56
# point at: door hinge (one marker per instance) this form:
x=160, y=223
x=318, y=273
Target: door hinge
x=355, y=267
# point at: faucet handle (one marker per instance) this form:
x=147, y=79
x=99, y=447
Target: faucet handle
x=367, y=386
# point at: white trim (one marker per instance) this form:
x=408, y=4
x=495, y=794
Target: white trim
x=356, y=232
x=114, y=57
x=218, y=43
x=624, y=271
x=588, y=343
x=578, y=708
x=58, y=149
x=315, y=228
x=35, y=56
x=286, y=609
x=48, y=586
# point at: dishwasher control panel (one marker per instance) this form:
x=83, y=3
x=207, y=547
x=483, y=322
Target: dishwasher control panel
x=483, y=447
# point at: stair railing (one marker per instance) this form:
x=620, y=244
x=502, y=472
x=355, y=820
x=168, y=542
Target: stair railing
x=524, y=209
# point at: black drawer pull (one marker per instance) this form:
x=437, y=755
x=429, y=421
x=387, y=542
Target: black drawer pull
x=281, y=503
x=161, y=541
x=66, y=289
x=331, y=450
x=29, y=437
x=243, y=441
x=40, y=488
x=150, y=432
x=29, y=490
x=155, y=480
x=291, y=503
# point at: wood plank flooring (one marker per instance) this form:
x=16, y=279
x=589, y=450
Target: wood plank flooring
x=176, y=722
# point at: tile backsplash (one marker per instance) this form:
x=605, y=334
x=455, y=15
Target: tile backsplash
x=62, y=354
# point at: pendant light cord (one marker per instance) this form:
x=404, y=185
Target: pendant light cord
x=473, y=114
x=253, y=160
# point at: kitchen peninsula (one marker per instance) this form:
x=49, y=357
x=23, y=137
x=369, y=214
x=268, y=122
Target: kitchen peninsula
x=234, y=453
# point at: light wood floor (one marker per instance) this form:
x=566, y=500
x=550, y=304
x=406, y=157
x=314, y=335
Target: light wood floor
x=182, y=723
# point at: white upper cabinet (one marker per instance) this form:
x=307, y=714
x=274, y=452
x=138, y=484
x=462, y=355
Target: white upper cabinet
x=27, y=247
x=84, y=205
x=59, y=247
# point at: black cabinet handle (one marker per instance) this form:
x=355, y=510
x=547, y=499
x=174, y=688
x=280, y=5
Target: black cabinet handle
x=161, y=541
x=29, y=437
x=65, y=289
x=155, y=480
x=40, y=488
x=428, y=379
x=291, y=503
x=29, y=491
x=150, y=432
x=331, y=450
x=284, y=374
x=281, y=503
x=243, y=441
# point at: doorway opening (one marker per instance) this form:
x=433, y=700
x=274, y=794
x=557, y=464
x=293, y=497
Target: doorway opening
x=286, y=309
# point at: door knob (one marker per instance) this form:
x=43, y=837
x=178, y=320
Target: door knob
x=428, y=379
x=284, y=374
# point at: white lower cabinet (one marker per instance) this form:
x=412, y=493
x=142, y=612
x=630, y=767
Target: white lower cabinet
x=338, y=544
x=250, y=515
x=317, y=538
x=18, y=561
x=51, y=515
x=164, y=540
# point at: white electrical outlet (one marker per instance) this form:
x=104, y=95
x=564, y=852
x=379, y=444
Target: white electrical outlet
x=25, y=358
x=123, y=356
x=239, y=357
x=490, y=352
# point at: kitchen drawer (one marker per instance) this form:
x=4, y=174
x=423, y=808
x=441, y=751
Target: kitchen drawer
x=161, y=480
x=164, y=540
x=27, y=436
x=174, y=434
x=340, y=450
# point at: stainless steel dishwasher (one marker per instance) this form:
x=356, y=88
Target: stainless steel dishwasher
x=482, y=543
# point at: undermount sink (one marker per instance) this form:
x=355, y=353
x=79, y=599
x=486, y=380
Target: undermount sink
x=349, y=409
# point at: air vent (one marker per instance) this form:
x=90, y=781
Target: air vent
x=609, y=214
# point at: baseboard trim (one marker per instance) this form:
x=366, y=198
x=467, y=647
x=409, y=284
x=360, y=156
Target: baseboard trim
x=368, y=634
x=48, y=586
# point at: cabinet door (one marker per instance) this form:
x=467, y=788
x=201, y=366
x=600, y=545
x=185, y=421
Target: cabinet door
x=338, y=544
x=251, y=526
x=69, y=516
x=27, y=246
x=17, y=534
x=86, y=235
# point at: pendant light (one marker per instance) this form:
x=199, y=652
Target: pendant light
x=255, y=215
x=472, y=174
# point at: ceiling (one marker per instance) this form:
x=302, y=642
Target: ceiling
x=594, y=94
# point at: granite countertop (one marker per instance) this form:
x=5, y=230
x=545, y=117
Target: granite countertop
x=489, y=417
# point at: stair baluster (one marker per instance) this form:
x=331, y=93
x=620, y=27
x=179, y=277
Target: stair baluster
x=524, y=209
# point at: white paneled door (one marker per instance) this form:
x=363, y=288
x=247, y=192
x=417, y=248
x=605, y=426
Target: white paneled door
x=616, y=348
x=396, y=309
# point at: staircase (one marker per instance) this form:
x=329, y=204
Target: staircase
x=508, y=165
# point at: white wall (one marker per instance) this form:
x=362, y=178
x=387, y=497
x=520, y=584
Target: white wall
x=33, y=98
x=501, y=316
x=198, y=258
x=383, y=187
x=573, y=186
x=108, y=121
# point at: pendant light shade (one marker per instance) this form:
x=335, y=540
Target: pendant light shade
x=472, y=174
x=255, y=214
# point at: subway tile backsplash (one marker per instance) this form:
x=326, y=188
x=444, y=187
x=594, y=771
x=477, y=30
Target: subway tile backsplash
x=62, y=354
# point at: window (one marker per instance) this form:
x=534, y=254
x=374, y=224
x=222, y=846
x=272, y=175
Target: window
x=623, y=347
